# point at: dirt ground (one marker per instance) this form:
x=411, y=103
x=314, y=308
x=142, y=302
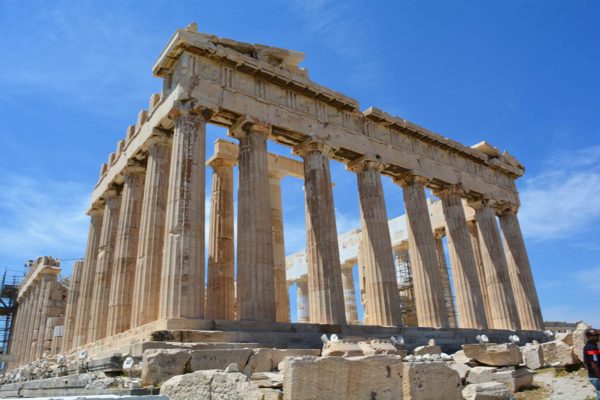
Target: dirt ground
x=551, y=384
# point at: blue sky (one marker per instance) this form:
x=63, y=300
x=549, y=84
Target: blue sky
x=522, y=75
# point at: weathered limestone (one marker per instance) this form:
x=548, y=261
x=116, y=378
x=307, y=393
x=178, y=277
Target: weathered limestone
x=487, y=391
x=104, y=267
x=84, y=305
x=282, y=298
x=349, y=294
x=485, y=298
x=255, y=264
x=445, y=279
x=182, y=286
x=71, y=309
x=519, y=270
x=429, y=293
x=220, y=293
x=325, y=290
x=495, y=355
x=145, y=307
x=126, y=246
x=426, y=381
x=302, y=301
x=502, y=302
x=376, y=246
x=533, y=356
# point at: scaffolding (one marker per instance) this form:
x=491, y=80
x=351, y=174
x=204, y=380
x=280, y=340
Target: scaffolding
x=406, y=288
x=9, y=291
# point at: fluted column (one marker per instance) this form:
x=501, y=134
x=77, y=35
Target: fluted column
x=376, y=247
x=182, y=286
x=325, y=291
x=34, y=324
x=429, y=293
x=104, y=267
x=302, y=301
x=71, y=308
x=88, y=275
x=17, y=332
x=519, y=270
x=147, y=282
x=32, y=300
x=445, y=277
x=469, y=298
x=502, y=302
x=349, y=294
x=126, y=245
x=282, y=300
x=485, y=299
x=47, y=282
x=255, y=264
x=220, y=295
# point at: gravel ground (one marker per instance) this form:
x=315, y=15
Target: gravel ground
x=571, y=386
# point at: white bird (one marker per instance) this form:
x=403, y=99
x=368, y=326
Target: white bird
x=514, y=339
x=83, y=354
x=324, y=339
x=334, y=338
x=61, y=360
x=549, y=333
x=128, y=363
x=482, y=338
x=397, y=340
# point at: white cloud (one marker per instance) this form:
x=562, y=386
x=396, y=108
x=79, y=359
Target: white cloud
x=563, y=199
x=42, y=217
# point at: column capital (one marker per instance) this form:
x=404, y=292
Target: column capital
x=482, y=202
x=365, y=163
x=408, y=179
x=449, y=190
x=158, y=137
x=186, y=108
x=134, y=168
x=245, y=126
x=95, y=211
x=507, y=208
x=439, y=233
x=221, y=162
x=276, y=173
x=312, y=145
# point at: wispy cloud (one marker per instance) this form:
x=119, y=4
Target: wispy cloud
x=563, y=199
x=41, y=217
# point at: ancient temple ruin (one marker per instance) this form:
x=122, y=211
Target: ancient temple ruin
x=144, y=273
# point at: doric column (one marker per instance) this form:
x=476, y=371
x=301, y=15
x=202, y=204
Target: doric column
x=17, y=332
x=469, y=298
x=381, y=286
x=519, y=270
x=71, y=309
x=220, y=296
x=429, y=293
x=325, y=291
x=282, y=300
x=34, y=325
x=146, y=288
x=255, y=280
x=406, y=288
x=182, y=286
x=302, y=301
x=349, y=294
x=445, y=278
x=502, y=302
x=126, y=245
x=485, y=299
x=104, y=267
x=47, y=282
x=88, y=275
x=32, y=300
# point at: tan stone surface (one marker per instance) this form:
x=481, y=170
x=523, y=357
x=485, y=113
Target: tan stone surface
x=349, y=295
x=342, y=348
x=71, y=308
x=494, y=354
x=557, y=353
x=579, y=340
x=487, y=391
x=533, y=356
x=219, y=359
x=345, y=379
x=213, y=385
x=282, y=298
x=445, y=280
x=302, y=301
x=426, y=381
x=160, y=365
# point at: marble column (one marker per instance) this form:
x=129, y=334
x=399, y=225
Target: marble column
x=519, y=270
x=220, y=295
x=282, y=301
x=25, y=341
x=349, y=294
x=17, y=332
x=33, y=327
x=302, y=301
x=182, y=286
x=429, y=293
x=71, y=308
x=502, y=302
x=39, y=329
x=325, y=291
x=152, y=232
x=126, y=245
x=485, y=299
x=471, y=311
x=376, y=247
x=445, y=277
x=104, y=267
x=88, y=275
x=255, y=264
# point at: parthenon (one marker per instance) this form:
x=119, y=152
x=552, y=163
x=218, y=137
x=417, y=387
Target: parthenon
x=144, y=266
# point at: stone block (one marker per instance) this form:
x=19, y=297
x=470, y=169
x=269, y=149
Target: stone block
x=558, y=354
x=579, y=340
x=462, y=369
x=514, y=379
x=425, y=381
x=267, y=360
x=460, y=358
x=565, y=337
x=495, y=355
x=422, y=350
x=214, y=385
x=341, y=348
x=332, y=378
x=481, y=374
x=160, y=365
x=219, y=359
x=487, y=391
x=379, y=346
x=533, y=356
